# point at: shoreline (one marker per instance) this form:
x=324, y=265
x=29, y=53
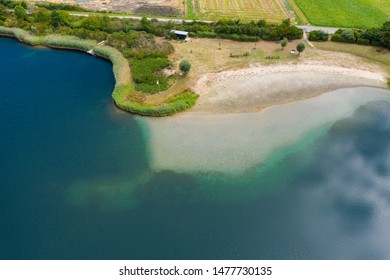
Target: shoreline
x=250, y=89
x=215, y=112
x=124, y=94
x=260, y=87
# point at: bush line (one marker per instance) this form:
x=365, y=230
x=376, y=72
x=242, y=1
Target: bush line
x=125, y=96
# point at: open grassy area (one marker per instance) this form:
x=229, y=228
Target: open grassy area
x=371, y=53
x=246, y=10
x=213, y=55
x=351, y=13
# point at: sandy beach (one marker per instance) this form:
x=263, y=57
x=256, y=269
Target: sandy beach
x=260, y=86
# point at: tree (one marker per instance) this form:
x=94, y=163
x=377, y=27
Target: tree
x=20, y=12
x=318, y=35
x=42, y=15
x=185, y=66
x=349, y=35
x=284, y=43
x=286, y=22
x=3, y=13
x=300, y=47
x=372, y=35
x=385, y=35
x=59, y=18
x=144, y=21
x=24, y=4
x=261, y=23
x=56, y=19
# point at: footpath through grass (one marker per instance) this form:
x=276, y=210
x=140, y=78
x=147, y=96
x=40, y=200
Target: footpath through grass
x=346, y=13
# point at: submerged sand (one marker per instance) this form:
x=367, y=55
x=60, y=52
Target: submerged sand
x=235, y=142
x=261, y=86
x=245, y=117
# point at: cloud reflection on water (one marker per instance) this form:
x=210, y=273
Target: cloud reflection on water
x=350, y=204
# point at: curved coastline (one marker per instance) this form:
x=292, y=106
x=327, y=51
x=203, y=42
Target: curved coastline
x=249, y=89
x=124, y=94
x=263, y=86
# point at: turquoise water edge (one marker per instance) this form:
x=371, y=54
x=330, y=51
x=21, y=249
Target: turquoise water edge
x=81, y=179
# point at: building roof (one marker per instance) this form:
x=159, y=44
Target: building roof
x=178, y=32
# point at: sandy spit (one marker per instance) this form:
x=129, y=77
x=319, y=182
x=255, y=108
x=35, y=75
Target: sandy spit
x=258, y=87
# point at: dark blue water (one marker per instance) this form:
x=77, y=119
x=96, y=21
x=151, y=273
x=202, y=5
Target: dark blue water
x=75, y=181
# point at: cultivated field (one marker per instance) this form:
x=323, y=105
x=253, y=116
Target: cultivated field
x=351, y=13
x=271, y=10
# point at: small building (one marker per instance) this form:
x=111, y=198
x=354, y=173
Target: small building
x=181, y=35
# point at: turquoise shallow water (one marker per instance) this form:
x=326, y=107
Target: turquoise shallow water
x=76, y=181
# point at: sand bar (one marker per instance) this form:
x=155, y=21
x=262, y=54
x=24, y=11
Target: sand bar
x=235, y=142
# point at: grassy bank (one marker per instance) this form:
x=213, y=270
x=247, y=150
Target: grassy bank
x=125, y=96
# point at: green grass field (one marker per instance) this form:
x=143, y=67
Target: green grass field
x=346, y=13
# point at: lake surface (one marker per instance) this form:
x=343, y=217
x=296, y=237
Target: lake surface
x=80, y=179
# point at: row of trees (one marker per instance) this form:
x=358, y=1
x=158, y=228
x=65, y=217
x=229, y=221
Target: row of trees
x=371, y=36
x=226, y=29
x=239, y=31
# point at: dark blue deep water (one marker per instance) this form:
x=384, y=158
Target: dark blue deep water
x=75, y=181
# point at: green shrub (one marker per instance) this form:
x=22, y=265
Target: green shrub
x=318, y=36
x=339, y=38
x=237, y=37
x=362, y=41
x=185, y=66
x=284, y=42
x=300, y=47
x=204, y=34
x=349, y=35
x=146, y=72
x=164, y=83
